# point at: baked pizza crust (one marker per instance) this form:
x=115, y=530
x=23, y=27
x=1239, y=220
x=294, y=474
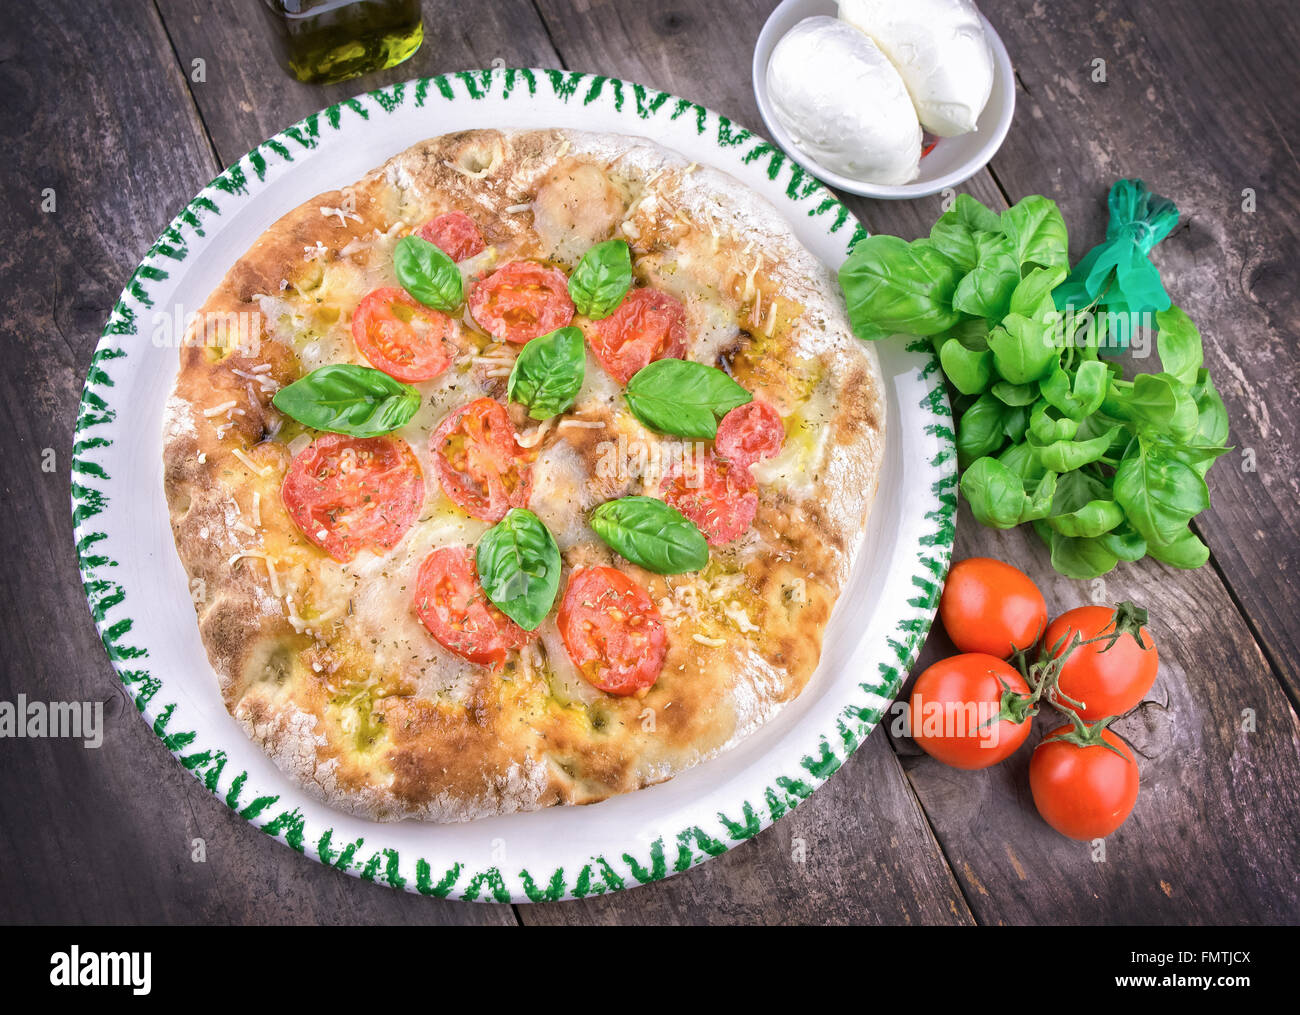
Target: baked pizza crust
x=325, y=665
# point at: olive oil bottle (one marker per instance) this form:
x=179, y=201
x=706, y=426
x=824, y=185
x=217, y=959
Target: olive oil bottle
x=322, y=41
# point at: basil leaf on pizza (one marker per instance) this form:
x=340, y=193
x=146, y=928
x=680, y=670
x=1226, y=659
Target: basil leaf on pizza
x=349, y=399
x=548, y=373
x=518, y=566
x=427, y=273
x=601, y=279
x=683, y=398
x=651, y=534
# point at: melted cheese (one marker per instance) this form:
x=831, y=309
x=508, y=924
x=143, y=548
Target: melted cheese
x=807, y=434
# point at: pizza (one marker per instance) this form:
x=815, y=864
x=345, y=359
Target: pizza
x=524, y=471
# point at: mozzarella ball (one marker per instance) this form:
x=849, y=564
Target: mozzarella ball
x=939, y=48
x=843, y=103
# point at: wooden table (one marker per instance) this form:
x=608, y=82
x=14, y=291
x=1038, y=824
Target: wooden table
x=104, y=104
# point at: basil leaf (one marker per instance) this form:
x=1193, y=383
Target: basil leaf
x=682, y=397
x=969, y=370
x=1212, y=415
x=1046, y=428
x=1014, y=394
x=1081, y=396
x=601, y=279
x=1081, y=558
x=1083, y=507
x=893, y=286
x=1159, y=494
x=973, y=215
x=1186, y=550
x=1023, y=461
x=1022, y=350
x=995, y=493
x=986, y=290
x=956, y=241
x=1038, y=505
x=1125, y=543
x=548, y=373
x=1068, y=455
x=519, y=567
x=349, y=399
x=427, y=273
x=1154, y=404
x=1032, y=296
x=980, y=430
x=1037, y=232
x=651, y=534
x=1179, y=345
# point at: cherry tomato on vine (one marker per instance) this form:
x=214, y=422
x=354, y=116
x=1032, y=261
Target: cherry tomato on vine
x=1106, y=677
x=989, y=606
x=970, y=711
x=1084, y=781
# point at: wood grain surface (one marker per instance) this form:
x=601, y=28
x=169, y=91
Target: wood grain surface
x=1197, y=99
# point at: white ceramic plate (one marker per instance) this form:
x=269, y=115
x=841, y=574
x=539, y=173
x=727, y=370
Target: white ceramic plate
x=138, y=593
x=953, y=160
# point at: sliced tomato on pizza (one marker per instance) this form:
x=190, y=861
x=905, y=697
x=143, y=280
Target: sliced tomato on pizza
x=455, y=234
x=750, y=433
x=349, y=494
x=480, y=464
x=520, y=301
x=452, y=605
x=403, y=338
x=612, y=631
x=648, y=325
x=720, y=498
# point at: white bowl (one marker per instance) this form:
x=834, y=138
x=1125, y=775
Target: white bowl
x=953, y=160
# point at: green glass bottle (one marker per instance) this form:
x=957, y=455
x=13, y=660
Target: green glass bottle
x=322, y=41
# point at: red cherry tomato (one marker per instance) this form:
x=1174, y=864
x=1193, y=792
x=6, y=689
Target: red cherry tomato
x=719, y=498
x=955, y=706
x=612, y=631
x=648, y=325
x=1083, y=792
x=1106, y=680
x=401, y=337
x=750, y=433
x=454, y=233
x=453, y=607
x=989, y=606
x=481, y=466
x=521, y=301
x=349, y=494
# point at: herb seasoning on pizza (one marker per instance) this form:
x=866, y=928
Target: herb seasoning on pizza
x=534, y=479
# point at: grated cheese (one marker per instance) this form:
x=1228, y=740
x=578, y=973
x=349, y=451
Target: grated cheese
x=737, y=615
x=711, y=642
x=343, y=215
x=534, y=436
x=260, y=470
x=217, y=410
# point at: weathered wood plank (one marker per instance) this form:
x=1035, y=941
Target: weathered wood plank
x=1196, y=102
x=106, y=835
x=247, y=97
x=858, y=851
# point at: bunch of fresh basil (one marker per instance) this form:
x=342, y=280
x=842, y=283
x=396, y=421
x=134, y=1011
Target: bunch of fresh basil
x=1106, y=469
